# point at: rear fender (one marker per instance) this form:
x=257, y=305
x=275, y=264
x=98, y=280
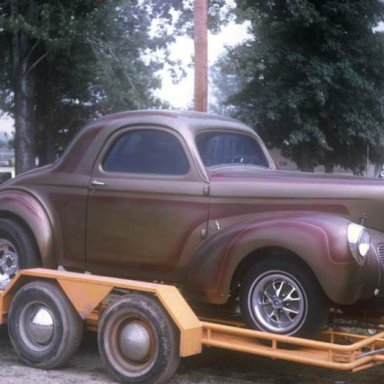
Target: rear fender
x=22, y=206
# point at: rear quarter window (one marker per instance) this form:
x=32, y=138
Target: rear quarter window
x=219, y=148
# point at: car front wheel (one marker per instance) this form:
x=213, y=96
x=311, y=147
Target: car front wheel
x=281, y=296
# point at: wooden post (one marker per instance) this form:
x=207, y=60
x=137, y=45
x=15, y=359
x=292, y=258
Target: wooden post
x=201, y=55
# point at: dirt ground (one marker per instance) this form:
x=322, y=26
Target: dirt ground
x=213, y=366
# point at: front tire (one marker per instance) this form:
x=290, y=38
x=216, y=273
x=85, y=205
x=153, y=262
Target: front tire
x=282, y=296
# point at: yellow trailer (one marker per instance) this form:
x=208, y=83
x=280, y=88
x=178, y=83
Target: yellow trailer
x=144, y=328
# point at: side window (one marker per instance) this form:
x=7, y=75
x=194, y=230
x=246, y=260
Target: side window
x=147, y=151
x=218, y=148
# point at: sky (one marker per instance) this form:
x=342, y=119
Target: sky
x=6, y=124
x=180, y=95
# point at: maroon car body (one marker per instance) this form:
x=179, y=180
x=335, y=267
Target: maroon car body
x=195, y=200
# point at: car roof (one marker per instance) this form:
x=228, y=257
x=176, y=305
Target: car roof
x=187, y=124
x=179, y=120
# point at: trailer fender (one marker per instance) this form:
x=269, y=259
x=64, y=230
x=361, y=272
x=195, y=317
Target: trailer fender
x=86, y=292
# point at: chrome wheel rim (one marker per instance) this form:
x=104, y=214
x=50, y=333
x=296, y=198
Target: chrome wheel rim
x=37, y=326
x=278, y=303
x=133, y=344
x=9, y=261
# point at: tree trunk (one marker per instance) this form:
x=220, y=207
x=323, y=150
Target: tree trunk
x=23, y=85
x=47, y=150
x=328, y=168
x=304, y=160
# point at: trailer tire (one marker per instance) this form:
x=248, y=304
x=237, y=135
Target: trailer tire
x=44, y=328
x=138, y=342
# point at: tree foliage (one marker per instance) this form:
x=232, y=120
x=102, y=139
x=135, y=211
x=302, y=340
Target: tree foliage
x=312, y=79
x=67, y=61
x=107, y=67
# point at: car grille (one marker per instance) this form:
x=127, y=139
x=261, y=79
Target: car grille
x=380, y=250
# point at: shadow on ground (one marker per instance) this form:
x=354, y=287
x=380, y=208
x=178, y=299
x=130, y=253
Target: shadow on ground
x=213, y=366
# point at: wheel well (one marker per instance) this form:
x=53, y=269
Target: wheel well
x=9, y=216
x=261, y=254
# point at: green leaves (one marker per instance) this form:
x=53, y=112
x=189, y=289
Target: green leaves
x=312, y=79
x=83, y=58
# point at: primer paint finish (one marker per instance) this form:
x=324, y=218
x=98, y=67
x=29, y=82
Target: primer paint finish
x=194, y=229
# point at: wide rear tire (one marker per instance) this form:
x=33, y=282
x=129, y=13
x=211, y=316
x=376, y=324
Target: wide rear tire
x=18, y=250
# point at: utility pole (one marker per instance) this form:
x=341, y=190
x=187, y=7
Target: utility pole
x=201, y=55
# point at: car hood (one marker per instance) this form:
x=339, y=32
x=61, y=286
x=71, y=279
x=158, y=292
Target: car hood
x=357, y=198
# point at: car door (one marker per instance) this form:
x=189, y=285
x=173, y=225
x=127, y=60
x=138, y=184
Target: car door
x=146, y=206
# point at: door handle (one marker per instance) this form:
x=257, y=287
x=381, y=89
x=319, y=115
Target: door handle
x=96, y=183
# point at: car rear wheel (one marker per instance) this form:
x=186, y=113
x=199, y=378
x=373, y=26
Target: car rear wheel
x=17, y=250
x=282, y=296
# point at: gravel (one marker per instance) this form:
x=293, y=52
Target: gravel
x=213, y=366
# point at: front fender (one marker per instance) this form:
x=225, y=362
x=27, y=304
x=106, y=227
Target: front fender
x=319, y=240
x=23, y=206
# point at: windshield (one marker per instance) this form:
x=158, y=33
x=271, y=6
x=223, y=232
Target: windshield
x=219, y=148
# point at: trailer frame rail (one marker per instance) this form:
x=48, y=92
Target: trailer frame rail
x=141, y=306
x=338, y=350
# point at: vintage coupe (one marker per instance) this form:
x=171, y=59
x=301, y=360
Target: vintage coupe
x=196, y=200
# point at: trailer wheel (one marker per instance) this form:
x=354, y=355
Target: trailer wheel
x=44, y=328
x=138, y=343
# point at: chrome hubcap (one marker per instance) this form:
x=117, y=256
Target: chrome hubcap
x=9, y=262
x=135, y=342
x=36, y=326
x=278, y=303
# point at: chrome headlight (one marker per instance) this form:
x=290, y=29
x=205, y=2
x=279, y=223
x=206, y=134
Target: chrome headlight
x=359, y=242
